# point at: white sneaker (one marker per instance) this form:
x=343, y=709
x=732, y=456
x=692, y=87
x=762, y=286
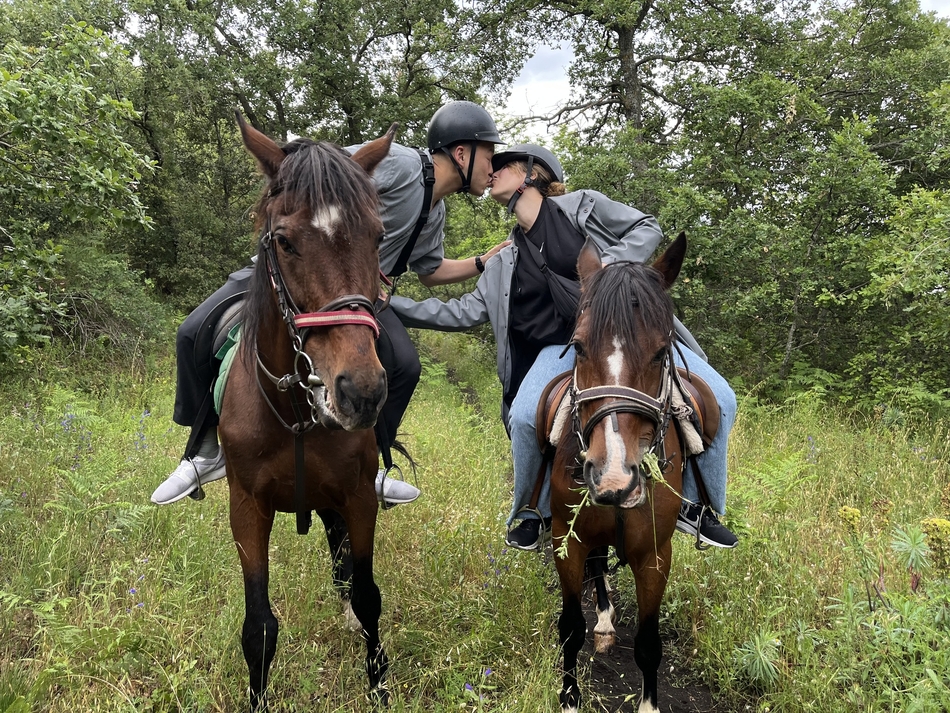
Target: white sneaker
x=391, y=492
x=184, y=479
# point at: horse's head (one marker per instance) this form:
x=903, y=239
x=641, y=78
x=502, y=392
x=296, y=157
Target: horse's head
x=318, y=269
x=622, y=376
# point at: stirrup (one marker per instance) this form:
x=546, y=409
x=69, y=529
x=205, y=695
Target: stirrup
x=379, y=489
x=700, y=545
x=545, y=534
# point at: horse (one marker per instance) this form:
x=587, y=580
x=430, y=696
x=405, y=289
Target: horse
x=306, y=386
x=616, y=478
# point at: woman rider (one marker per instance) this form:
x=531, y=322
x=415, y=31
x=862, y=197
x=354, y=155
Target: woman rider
x=531, y=334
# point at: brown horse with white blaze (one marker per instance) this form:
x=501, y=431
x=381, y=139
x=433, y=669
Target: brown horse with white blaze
x=306, y=386
x=620, y=424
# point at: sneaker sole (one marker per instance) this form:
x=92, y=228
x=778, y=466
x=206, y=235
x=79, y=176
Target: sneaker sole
x=690, y=530
x=391, y=502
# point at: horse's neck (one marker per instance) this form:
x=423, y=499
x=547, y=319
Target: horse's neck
x=274, y=346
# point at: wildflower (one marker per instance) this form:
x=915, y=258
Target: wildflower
x=851, y=517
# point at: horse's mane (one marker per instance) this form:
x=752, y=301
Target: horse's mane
x=314, y=176
x=612, y=298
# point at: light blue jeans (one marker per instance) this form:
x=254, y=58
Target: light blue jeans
x=524, y=444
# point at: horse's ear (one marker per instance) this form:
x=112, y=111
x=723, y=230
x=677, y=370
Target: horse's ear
x=268, y=154
x=588, y=262
x=372, y=153
x=670, y=262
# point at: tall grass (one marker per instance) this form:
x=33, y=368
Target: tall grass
x=834, y=600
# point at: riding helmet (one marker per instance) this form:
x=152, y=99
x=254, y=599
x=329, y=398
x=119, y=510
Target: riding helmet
x=461, y=121
x=523, y=152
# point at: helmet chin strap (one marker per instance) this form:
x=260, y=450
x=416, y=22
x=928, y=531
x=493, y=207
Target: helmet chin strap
x=524, y=184
x=466, y=178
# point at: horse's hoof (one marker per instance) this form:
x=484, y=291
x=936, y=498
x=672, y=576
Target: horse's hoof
x=604, y=642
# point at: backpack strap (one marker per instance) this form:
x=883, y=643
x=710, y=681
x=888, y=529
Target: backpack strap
x=428, y=180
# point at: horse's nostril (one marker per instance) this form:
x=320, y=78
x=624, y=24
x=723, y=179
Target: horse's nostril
x=591, y=474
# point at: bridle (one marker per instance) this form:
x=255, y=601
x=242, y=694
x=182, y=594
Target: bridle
x=346, y=309
x=623, y=399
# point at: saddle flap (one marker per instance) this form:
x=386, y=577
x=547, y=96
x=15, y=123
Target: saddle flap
x=547, y=407
x=703, y=402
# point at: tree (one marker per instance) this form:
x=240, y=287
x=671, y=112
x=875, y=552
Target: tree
x=65, y=168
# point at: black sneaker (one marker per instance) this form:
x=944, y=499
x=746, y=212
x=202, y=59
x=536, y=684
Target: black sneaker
x=529, y=534
x=702, y=523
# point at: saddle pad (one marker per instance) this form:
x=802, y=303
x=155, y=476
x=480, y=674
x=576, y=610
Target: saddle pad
x=226, y=355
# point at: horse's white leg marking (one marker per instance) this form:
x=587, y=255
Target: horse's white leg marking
x=568, y=709
x=352, y=621
x=647, y=707
x=604, y=633
x=326, y=219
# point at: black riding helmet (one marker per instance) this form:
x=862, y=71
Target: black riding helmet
x=532, y=154
x=461, y=121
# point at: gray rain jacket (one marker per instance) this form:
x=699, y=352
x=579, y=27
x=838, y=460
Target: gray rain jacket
x=620, y=231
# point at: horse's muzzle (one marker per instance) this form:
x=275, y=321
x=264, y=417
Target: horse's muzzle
x=356, y=401
x=623, y=489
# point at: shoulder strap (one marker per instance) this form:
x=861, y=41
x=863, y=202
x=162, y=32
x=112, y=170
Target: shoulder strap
x=428, y=179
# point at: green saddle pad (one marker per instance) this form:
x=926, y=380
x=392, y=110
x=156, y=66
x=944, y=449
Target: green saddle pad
x=226, y=355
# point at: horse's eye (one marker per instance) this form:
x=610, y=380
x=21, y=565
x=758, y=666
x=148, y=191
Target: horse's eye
x=285, y=245
x=579, y=348
x=660, y=356
x=379, y=240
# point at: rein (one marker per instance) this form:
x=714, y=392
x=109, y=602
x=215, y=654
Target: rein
x=347, y=309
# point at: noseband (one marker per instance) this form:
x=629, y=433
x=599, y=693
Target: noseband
x=347, y=309
x=626, y=400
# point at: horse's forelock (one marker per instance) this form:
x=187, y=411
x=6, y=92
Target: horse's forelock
x=321, y=175
x=615, y=295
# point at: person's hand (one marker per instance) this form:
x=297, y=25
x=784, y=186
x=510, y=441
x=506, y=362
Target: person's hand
x=495, y=250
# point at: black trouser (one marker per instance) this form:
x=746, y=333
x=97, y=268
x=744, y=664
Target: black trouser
x=198, y=368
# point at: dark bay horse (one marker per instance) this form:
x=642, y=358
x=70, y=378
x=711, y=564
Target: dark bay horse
x=306, y=386
x=620, y=424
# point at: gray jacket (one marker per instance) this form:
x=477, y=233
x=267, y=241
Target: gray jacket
x=595, y=216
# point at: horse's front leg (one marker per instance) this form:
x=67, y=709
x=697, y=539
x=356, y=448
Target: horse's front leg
x=572, y=628
x=342, y=556
x=651, y=572
x=251, y=529
x=365, y=598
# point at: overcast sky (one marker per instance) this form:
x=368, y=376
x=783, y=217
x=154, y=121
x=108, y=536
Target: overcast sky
x=542, y=85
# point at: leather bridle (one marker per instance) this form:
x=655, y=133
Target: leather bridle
x=346, y=309
x=623, y=399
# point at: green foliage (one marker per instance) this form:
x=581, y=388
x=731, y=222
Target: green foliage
x=65, y=170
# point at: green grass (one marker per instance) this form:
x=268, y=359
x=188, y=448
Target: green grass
x=108, y=603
